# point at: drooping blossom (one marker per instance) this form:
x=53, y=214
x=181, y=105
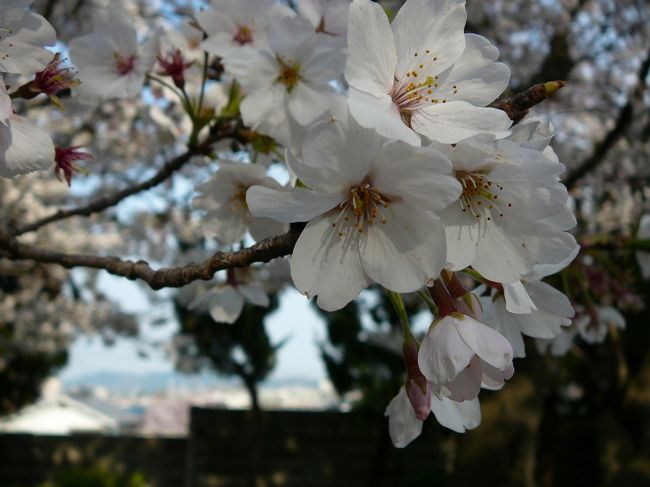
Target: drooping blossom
x=421, y=75
x=371, y=208
x=291, y=79
x=225, y=301
x=404, y=426
x=461, y=355
x=23, y=37
x=593, y=323
x=110, y=61
x=223, y=198
x=235, y=24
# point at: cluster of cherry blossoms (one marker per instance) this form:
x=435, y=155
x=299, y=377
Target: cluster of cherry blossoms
x=401, y=173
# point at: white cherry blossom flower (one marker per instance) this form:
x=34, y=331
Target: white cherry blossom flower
x=235, y=24
x=593, y=325
x=421, y=75
x=371, y=209
x=110, y=61
x=23, y=35
x=24, y=147
x=461, y=355
x=292, y=78
x=225, y=301
x=223, y=197
x=404, y=426
x=498, y=225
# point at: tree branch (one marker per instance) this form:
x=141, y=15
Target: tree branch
x=517, y=107
x=624, y=119
x=105, y=202
x=263, y=251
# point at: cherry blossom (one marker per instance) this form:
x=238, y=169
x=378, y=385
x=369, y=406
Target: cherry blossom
x=290, y=79
x=421, y=75
x=328, y=17
x=371, y=208
x=235, y=24
x=462, y=354
x=223, y=197
x=110, y=61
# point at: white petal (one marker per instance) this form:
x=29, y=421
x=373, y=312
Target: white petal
x=226, y=305
x=261, y=228
x=443, y=354
x=467, y=384
x=372, y=60
x=406, y=251
x=326, y=265
x=380, y=113
x=457, y=416
x=403, y=426
x=308, y=102
x=298, y=205
x=517, y=299
x=437, y=25
x=475, y=77
x=448, y=123
x=24, y=148
x=254, y=293
x=489, y=345
x=424, y=178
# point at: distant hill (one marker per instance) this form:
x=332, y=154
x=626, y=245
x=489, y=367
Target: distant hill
x=149, y=383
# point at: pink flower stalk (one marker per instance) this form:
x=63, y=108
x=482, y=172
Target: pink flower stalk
x=65, y=158
x=174, y=66
x=418, y=389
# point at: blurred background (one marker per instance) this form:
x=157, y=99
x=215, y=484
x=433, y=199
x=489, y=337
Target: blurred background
x=104, y=382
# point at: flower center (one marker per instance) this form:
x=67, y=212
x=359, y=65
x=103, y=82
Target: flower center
x=480, y=195
x=124, y=65
x=238, y=199
x=363, y=206
x=416, y=89
x=289, y=73
x=243, y=36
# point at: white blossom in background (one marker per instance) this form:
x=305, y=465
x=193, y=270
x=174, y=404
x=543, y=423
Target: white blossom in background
x=461, y=355
x=421, y=75
x=23, y=37
x=111, y=62
x=404, y=426
x=371, y=208
x=223, y=198
x=235, y=24
x=24, y=147
x=292, y=79
x=225, y=301
x=593, y=325
x=328, y=17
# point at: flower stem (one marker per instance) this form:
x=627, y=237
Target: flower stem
x=441, y=297
x=398, y=305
